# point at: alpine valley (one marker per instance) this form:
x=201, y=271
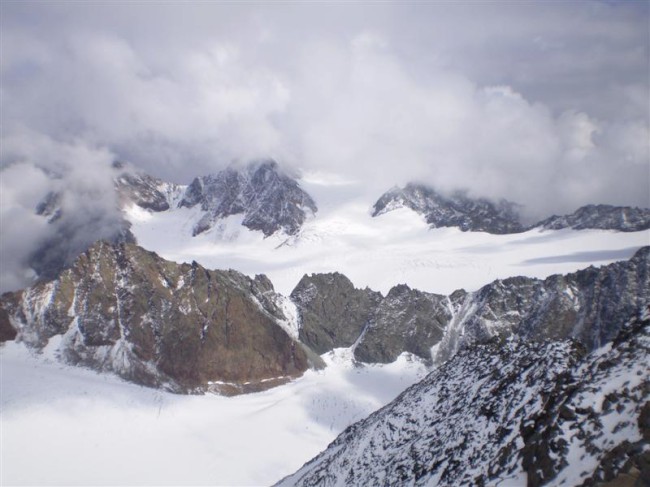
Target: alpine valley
x=259, y=326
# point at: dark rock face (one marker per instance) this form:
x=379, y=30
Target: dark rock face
x=7, y=332
x=507, y=412
x=122, y=309
x=407, y=320
x=586, y=305
x=332, y=311
x=268, y=199
x=604, y=217
x=457, y=210
x=481, y=215
x=50, y=206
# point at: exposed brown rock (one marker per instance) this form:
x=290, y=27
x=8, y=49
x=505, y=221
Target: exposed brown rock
x=126, y=310
x=7, y=332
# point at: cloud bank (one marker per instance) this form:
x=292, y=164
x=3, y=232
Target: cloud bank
x=543, y=104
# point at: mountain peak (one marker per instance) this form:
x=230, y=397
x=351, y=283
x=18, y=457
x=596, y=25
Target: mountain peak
x=455, y=210
x=603, y=217
x=123, y=309
x=269, y=200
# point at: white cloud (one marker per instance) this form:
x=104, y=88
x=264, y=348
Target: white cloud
x=35, y=165
x=20, y=227
x=540, y=103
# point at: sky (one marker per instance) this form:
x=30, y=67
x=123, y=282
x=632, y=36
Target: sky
x=542, y=103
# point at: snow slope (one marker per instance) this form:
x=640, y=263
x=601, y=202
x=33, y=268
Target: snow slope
x=397, y=247
x=508, y=413
x=64, y=425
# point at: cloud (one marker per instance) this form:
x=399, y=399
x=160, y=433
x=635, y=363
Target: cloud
x=34, y=166
x=19, y=225
x=543, y=104
x=375, y=121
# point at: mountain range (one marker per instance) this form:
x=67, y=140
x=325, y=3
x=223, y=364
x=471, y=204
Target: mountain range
x=482, y=215
x=269, y=200
x=529, y=378
x=124, y=309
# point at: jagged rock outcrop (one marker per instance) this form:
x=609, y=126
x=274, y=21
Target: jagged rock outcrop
x=506, y=412
x=482, y=215
x=7, y=332
x=123, y=309
x=406, y=320
x=604, y=217
x=332, y=311
x=268, y=199
x=455, y=210
x=144, y=190
x=586, y=305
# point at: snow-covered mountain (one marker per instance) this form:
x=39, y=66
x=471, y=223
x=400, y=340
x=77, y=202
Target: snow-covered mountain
x=125, y=310
x=257, y=218
x=214, y=436
x=139, y=188
x=455, y=210
x=260, y=194
x=482, y=215
x=604, y=217
x=269, y=200
x=507, y=412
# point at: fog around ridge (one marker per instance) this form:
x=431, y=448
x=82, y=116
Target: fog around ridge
x=541, y=104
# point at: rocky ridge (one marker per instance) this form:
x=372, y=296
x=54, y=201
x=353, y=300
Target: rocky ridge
x=269, y=200
x=324, y=312
x=482, y=215
x=510, y=412
x=144, y=190
x=603, y=217
x=585, y=305
x=333, y=313
x=454, y=210
x=182, y=327
x=406, y=320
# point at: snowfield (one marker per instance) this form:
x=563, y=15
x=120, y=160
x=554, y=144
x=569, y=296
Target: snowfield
x=395, y=248
x=65, y=425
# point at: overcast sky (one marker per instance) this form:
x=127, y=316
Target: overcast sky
x=543, y=103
